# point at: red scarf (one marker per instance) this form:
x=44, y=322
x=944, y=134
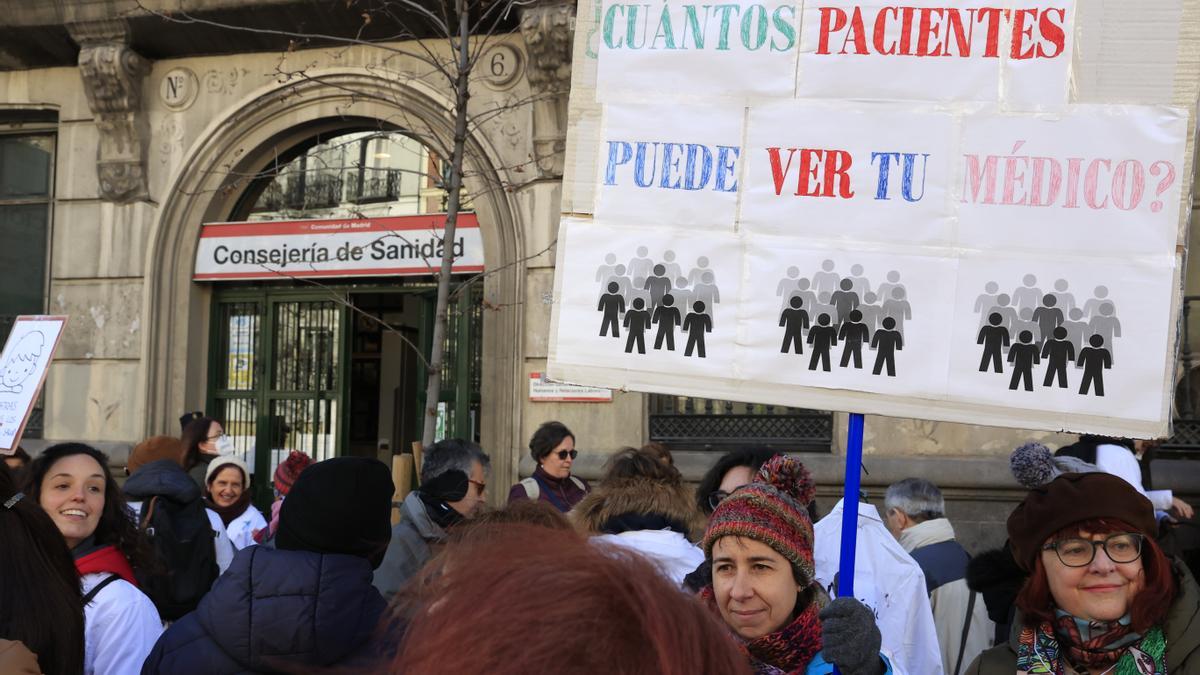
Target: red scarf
x=789, y=649
x=106, y=559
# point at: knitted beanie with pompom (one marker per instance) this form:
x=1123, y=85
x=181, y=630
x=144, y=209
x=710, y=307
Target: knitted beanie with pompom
x=773, y=510
x=1033, y=465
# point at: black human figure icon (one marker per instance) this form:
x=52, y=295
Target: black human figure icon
x=658, y=285
x=994, y=338
x=793, y=321
x=822, y=337
x=1058, y=352
x=1023, y=355
x=1048, y=317
x=844, y=300
x=666, y=315
x=854, y=335
x=696, y=325
x=612, y=304
x=886, y=342
x=1094, y=359
x=637, y=320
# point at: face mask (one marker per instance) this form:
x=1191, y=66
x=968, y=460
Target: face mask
x=225, y=445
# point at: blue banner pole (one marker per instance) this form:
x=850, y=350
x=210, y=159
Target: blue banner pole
x=853, y=480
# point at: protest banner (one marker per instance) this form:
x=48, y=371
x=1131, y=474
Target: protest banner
x=23, y=366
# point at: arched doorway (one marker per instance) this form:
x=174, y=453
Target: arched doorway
x=213, y=185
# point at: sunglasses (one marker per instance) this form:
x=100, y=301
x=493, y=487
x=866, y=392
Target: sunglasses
x=563, y=454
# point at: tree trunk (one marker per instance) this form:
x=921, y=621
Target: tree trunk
x=433, y=387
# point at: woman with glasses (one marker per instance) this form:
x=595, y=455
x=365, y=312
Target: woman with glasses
x=553, y=448
x=1101, y=596
x=204, y=439
x=733, y=470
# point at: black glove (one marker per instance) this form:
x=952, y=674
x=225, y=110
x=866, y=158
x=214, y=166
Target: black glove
x=851, y=638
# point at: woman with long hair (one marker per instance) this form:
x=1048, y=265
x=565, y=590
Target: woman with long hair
x=40, y=604
x=73, y=485
x=204, y=439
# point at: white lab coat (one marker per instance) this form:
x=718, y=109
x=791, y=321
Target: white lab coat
x=241, y=529
x=121, y=626
x=670, y=551
x=889, y=582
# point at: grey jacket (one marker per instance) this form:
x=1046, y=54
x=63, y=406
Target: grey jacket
x=413, y=541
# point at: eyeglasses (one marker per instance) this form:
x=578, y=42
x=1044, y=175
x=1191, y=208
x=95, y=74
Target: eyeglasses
x=715, y=498
x=213, y=438
x=478, y=484
x=563, y=454
x=1120, y=548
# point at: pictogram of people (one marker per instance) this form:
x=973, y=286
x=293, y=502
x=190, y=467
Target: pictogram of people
x=1057, y=352
x=612, y=304
x=853, y=335
x=1065, y=300
x=658, y=285
x=826, y=281
x=898, y=308
x=1095, y=359
x=637, y=320
x=886, y=342
x=696, y=325
x=794, y=321
x=1048, y=317
x=641, y=265
x=994, y=338
x=822, y=337
x=1106, y=325
x=844, y=300
x=1028, y=295
x=1023, y=355
x=666, y=317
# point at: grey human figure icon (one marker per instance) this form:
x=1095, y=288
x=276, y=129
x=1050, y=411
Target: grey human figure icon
x=1048, y=317
x=697, y=323
x=1057, y=352
x=1023, y=355
x=1008, y=313
x=683, y=296
x=826, y=281
x=621, y=279
x=986, y=301
x=861, y=284
x=637, y=321
x=707, y=292
x=994, y=338
x=1077, y=328
x=1107, y=326
x=666, y=316
x=886, y=342
x=638, y=290
x=871, y=311
x=805, y=293
x=606, y=270
x=1092, y=306
x=1028, y=295
x=822, y=338
x=884, y=292
x=844, y=300
x=898, y=308
x=1065, y=300
x=794, y=321
x=787, y=285
x=672, y=268
x=823, y=305
x=658, y=285
x=697, y=273
x=640, y=265
x=1025, y=322
x=1094, y=359
x=612, y=305
x=853, y=335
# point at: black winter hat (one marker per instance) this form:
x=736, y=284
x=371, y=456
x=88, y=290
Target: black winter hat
x=340, y=505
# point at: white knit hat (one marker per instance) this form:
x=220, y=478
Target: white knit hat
x=226, y=460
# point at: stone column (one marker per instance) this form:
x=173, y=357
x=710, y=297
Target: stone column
x=548, y=27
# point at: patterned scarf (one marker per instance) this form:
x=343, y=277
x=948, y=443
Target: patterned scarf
x=786, y=651
x=1090, y=645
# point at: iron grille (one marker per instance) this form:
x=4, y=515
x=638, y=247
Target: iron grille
x=687, y=423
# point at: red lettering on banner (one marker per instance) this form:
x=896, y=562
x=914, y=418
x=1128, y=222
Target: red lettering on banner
x=832, y=20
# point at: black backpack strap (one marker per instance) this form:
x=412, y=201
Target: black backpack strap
x=91, y=595
x=962, y=645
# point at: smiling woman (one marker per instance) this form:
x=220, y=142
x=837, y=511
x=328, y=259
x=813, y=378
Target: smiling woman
x=73, y=484
x=227, y=492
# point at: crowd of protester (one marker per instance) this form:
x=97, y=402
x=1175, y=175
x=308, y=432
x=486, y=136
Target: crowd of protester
x=177, y=571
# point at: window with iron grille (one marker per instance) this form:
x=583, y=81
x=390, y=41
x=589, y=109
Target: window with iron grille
x=689, y=423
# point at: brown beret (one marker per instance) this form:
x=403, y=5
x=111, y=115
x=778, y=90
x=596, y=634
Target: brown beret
x=153, y=449
x=1073, y=498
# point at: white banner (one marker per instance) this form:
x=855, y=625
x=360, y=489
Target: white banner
x=403, y=245
x=23, y=366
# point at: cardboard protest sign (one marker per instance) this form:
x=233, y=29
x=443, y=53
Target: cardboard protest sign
x=23, y=366
x=925, y=233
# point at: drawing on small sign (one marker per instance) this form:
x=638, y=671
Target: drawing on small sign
x=829, y=309
x=645, y=294
x=22, y=362
x=1050, y=329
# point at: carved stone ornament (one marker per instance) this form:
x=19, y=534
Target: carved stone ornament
x=112, y=76
x=548, y=27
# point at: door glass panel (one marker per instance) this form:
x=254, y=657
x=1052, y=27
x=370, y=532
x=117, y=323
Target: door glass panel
x=305, y=346
x=307, y=425
x=239, y=340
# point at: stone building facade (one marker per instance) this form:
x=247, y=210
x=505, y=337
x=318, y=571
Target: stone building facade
x=156, y=127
